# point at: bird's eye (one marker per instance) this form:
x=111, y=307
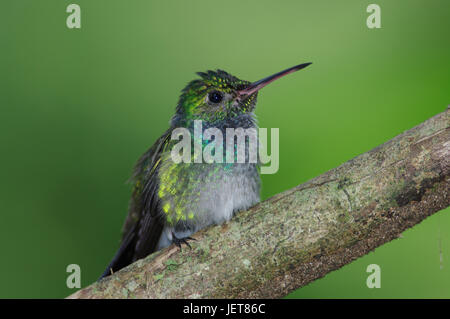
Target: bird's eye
x=215, y=96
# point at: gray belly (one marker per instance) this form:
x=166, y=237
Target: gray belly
x=214, y=198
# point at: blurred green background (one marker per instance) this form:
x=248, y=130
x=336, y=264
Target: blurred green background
x=78, y=107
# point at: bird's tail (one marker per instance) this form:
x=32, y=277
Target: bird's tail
x=123, y=257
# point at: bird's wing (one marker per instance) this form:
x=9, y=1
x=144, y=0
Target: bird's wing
x=143, y=226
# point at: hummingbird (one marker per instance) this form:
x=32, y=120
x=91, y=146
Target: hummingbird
x=172, y=201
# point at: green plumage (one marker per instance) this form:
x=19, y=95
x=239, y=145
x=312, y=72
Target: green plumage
x=171, y=201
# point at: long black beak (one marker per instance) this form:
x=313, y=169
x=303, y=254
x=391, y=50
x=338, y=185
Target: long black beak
x=258, y=85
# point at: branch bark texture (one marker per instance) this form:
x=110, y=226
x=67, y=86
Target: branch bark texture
x=302, y=234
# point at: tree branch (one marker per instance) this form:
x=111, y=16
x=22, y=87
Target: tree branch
x=302, y=234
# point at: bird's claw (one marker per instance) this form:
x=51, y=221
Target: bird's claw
x=178, y=241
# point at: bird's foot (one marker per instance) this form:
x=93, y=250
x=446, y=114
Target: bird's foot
x=178, y=241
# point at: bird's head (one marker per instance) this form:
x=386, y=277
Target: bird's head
x=218, y=95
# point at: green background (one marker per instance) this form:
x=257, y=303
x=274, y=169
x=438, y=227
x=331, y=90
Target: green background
x=78, y=107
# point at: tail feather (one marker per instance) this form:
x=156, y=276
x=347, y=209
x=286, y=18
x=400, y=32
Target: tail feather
x=124, y=255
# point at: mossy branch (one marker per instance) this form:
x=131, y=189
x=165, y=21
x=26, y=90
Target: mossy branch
x=302, y=234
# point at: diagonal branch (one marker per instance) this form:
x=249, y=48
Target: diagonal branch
x=302, y=234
